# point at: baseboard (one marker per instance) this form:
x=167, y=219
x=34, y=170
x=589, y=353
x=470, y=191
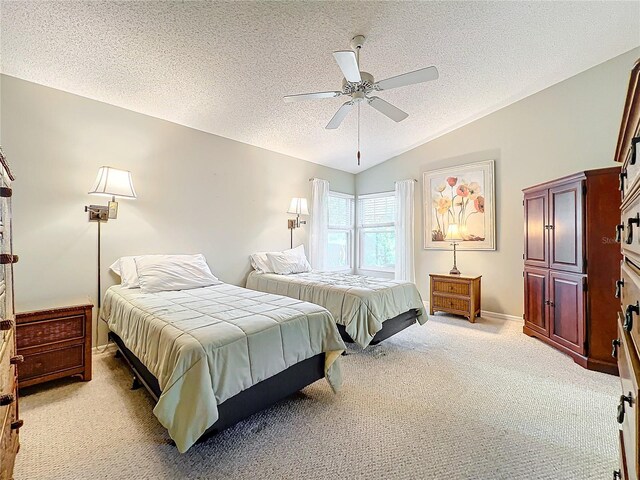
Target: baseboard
x=488, y=314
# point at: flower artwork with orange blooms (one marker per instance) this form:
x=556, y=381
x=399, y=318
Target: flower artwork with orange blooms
x=463, y=195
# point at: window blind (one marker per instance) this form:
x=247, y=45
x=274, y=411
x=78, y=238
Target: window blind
x=340, y=211
x=377, y=210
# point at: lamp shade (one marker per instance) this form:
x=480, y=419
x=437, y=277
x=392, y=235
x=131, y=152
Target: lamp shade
x=453, y=232
x=298, y=206
x=112, y=182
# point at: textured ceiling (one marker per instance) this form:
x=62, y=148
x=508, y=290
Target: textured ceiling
x=223, y=67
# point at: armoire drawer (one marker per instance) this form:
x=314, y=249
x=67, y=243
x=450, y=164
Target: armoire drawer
x=623, y=471
x=630, y=227
x=630, y=174
x=629, y=304
x=627, y=415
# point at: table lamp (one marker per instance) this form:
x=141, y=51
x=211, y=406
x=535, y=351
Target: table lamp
x=453, y=234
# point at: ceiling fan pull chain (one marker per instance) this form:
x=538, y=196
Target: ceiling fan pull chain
x=358, y=134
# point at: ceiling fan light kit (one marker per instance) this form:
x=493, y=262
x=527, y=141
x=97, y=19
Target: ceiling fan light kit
x=360, y=85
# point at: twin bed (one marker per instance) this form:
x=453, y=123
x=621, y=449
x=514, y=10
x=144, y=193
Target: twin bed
x=367, y=310
x=214, y=355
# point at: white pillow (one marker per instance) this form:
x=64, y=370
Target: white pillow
x=161, y=273
x=299, y=252
x=261, y=263
x=126, y=269
x=286, y=263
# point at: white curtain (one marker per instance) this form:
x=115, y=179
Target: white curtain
x=319, y=221
x=405, y=268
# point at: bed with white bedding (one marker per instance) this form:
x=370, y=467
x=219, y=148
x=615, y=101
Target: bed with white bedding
x=360, y=304
x=206, y=345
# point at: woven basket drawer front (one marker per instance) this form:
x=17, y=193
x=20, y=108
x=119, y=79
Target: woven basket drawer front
x=43, y=363
x=8, y=442
x=49, y=331
x=459, y=304
x=455, y=288
x=7, y=374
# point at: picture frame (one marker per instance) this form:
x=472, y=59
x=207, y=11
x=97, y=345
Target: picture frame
x=464, y=195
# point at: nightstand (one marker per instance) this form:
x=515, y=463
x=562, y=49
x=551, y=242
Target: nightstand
x=55, y=343
x=457, y=294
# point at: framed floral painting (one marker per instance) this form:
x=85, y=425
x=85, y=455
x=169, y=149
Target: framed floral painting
x=465, y=196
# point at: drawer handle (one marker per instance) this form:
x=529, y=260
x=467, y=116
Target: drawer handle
x=622, y=176
x=17, y=425
x=16, y=360
x=623, y=398
x=6, y=259
x=634, y=142
x=6, y=324
x=630, y=223
x=619, y=229
x=619, y=285
x=615, y=344
x=6, y=399
x=628, y=316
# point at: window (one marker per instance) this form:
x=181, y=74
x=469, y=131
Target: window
x=377, y=233
x=341, y=225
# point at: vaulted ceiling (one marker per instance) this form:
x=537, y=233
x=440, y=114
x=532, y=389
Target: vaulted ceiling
x=223, y=67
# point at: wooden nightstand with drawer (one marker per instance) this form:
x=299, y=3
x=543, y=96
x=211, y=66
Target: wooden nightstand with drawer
x=455, y=294
x=55, y=343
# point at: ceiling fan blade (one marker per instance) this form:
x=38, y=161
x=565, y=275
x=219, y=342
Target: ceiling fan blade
x=384, y=107
x=347, y=62
x=339, y=116
x=411, y=78
x=311, y=96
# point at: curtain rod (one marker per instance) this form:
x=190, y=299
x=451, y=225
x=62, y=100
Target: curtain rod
x=415, y=180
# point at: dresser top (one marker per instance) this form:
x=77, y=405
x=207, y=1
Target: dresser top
x=449, y=276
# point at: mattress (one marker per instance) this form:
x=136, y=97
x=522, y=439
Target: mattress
x=358, y=302
x=208, y=344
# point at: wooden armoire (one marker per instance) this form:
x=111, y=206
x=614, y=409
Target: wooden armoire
x=9, y=420
x=571, y=262
x=626, y=347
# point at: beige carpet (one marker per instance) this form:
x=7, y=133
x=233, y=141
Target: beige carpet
x=449, y=400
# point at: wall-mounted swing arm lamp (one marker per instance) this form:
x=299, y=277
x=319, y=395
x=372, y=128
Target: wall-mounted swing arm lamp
x=113, y=183
x=298, y=206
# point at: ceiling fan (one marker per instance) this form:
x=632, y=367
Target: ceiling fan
x=361, y=85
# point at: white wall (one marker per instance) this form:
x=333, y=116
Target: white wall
x=197, y=193
x=566, y=128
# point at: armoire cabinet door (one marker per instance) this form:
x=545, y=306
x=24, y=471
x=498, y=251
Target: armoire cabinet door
x=565, y=230
x=536, y=310
x=535, y=223
x=567, y=310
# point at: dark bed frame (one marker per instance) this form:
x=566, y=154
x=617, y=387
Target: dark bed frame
x=259, y=397
x=389, y=327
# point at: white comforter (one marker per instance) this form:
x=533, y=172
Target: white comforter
x=208, y=344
